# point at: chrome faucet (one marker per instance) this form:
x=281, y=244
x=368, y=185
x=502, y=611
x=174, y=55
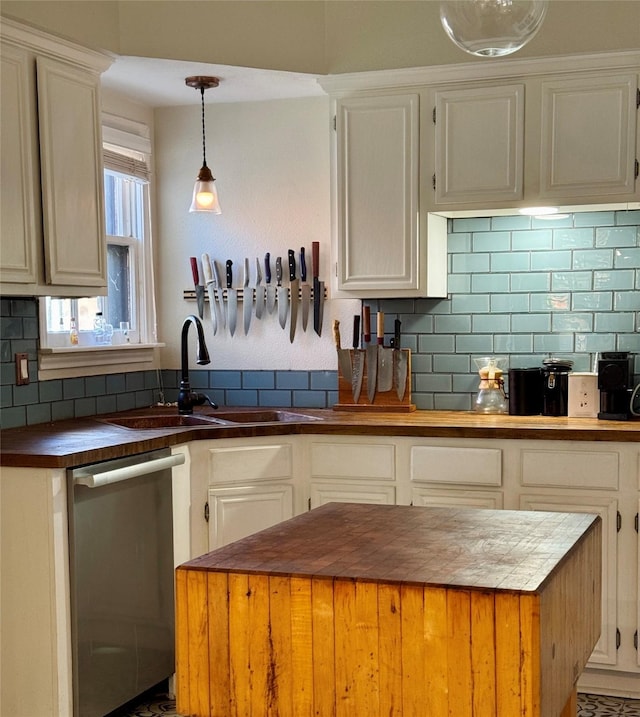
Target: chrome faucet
x=186, y=398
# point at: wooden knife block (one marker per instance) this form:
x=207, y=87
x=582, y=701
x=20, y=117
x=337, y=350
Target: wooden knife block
x=382, y=401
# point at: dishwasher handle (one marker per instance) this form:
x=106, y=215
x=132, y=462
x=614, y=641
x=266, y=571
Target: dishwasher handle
x=99, y=479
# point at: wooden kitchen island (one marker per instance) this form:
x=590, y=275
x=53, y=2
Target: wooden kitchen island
x=363, y=610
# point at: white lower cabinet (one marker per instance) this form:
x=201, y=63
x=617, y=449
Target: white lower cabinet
x=241, y=486
x=236, y=512
x=250, y=484
x=351, y=471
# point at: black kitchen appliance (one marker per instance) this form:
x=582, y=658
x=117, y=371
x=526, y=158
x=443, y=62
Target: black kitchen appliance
x=555, y=386
x=615, y=381
x=525, y=391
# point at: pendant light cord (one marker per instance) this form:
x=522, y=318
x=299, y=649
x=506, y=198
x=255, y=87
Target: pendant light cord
x=204, y=146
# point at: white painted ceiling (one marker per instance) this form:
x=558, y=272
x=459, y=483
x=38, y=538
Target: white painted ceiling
x=160, y=83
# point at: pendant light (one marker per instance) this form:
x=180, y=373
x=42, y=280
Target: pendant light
x=205, y=194
x=492, y=28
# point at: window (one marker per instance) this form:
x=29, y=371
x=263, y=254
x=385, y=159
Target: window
x=128, y=310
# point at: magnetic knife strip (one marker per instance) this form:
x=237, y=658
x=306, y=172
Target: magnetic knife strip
x=190, y=294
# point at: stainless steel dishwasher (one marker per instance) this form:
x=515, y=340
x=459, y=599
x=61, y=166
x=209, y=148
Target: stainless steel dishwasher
x=122, y=585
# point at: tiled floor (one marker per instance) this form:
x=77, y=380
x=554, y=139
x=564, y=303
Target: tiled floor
x=588, y=706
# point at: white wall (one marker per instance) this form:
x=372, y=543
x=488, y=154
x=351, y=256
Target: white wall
x=271, y=162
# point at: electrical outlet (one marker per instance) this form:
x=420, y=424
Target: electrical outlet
x=584, y=397
x=22, y=369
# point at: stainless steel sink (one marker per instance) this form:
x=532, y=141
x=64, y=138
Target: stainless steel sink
x=221, y=418
x=262, y=416
x=172, y=420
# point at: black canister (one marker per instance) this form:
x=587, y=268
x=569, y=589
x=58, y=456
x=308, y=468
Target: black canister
x=525, y=391
x=555, y=386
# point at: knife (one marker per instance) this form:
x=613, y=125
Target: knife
x=344, y=355
x=318, y=289
x=385, y=358
x=199, y=287
x=271, y=290
x=283, y=295
x=260, y=291
x=232, y=299
x=211, y=291
x=400, y=366
x=294, y=287
x=372, y=354
x=305, y=290
x=247, y=298
x=222, y=319
x=358, y=361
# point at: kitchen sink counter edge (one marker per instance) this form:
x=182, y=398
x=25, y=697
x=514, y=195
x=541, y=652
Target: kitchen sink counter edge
x=73, y=442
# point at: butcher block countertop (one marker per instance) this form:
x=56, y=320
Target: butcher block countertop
x=449, y=547
x=73, y=442
x=384, y=611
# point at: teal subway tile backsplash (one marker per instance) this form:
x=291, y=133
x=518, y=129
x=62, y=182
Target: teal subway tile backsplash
x=616, y=237
x=615, y=279
x=535, y=240
x=491, y=241
x=531, y=282
x=573, y=238
x=632, y=216
x=626, y=300
x=518, y=287
x=572, y=280
x=592, y=259
x=550, y=261
x=595, y=219
x=510, y=261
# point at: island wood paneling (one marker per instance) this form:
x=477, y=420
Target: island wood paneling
x=296, y=644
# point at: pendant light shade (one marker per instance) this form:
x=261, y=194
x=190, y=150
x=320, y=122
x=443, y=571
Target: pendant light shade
x=492, y=28
x=205, y=194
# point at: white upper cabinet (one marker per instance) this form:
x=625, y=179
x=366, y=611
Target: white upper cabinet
x=385, y=246
x=71, y=174
x=561, y=139
x=479, y=144
x=19, y=224
x=51, y=198
x=588, y=137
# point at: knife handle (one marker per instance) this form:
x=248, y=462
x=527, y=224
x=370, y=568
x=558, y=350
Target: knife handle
x=315, y=258
x=279, y=270
x=258, y=272
x=336, y=333
x=380, y=327
x=292, y=264
x=366, y=323
x=194, y=270
x=267, y=267
x=356, y=331
x=206, y=269
x=303, y=265
x=246, y=271
x=396, y=334
x=229, y=274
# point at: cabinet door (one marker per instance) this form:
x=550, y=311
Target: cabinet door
x=604, y=652
x=588, y=138
x=239, y=511
x=18, y=190
x=479, y=145
x=322, y=493
x=379, y=248
x=453, y=498
x=71, y=175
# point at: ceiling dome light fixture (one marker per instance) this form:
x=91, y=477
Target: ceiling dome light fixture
x=492, y=28
x=205, y=194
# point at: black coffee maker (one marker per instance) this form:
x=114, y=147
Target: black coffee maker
x=615, y=381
